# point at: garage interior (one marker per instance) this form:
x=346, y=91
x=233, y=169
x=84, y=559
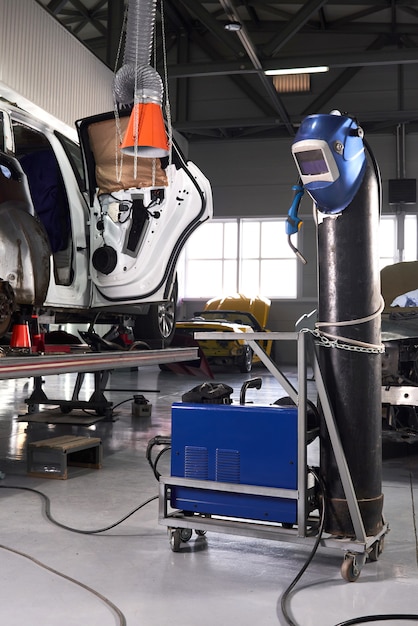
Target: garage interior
x=238, y=126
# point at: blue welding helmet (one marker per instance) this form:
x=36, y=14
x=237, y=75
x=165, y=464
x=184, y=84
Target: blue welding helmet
x=330, y=157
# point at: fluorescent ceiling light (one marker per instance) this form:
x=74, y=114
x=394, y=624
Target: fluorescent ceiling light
x=297, y=70
x=233, y=26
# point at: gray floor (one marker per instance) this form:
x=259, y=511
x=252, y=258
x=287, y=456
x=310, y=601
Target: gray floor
x=214, y=580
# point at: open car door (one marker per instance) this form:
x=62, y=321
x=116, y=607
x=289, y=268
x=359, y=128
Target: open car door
x=142, y=212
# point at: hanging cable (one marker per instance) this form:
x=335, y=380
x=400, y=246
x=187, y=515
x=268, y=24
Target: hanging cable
x=166, y=91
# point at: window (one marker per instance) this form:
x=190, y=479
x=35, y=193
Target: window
x=73, y=152
x=397, y=239
x=410, y=238
x=251, y=256
x=387, y=240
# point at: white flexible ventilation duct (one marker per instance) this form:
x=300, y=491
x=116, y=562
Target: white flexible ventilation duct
x=136, y=79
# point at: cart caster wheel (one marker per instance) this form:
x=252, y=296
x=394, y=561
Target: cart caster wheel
x=200, y=533
x=66, y=408
x=186, y=534
x=33, y=408
x=376, y=550
x=175, y=539
x=350, y=571
x=287, y=525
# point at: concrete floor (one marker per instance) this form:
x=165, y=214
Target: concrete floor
x=50, y=576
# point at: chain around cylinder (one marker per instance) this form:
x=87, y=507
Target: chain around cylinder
x=343, y=343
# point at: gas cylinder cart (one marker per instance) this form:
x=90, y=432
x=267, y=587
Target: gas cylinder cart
x=242, y=469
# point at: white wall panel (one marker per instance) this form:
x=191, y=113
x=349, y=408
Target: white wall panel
x=43, y=64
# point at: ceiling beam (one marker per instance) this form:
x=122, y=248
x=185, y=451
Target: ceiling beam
x=381, y=3
x=371, y=117
x=231, y=12
x=213, y=25
x=344, y=77
x=337, y=60
x=56, y=6
x=293, y=26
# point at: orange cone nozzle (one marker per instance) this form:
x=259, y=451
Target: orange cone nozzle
x=20, y=336
x=145, y=135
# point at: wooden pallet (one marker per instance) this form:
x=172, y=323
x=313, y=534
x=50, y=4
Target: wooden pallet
x=50, y=458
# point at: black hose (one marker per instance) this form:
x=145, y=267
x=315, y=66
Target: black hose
x=350, y=622
x=287, y=592
x=379, y=618
x=49, y=516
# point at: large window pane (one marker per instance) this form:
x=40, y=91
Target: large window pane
x=203, y=279
x=230, y=240
x=387, y=240
x=278, y=278
x=274, y=240
x=206, y=242
x=250, y=239
x=230, y=277
x=410, y=244
x=250, y=277
x=246, y=255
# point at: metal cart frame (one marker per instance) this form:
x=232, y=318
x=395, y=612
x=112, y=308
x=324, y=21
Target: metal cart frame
x=356, y=550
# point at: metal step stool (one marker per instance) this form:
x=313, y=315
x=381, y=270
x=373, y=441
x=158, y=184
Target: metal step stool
x=50, y=458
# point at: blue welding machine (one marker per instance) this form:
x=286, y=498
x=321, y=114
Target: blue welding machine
x=235, y=444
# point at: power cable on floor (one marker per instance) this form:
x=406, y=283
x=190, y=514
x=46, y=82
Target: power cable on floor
x=379, y=618
x=350, y=622
x=109, y=603
x=287, y=592
x=47, y=511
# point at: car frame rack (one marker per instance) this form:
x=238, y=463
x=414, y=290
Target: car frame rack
x=99, y=363
x=356, y=549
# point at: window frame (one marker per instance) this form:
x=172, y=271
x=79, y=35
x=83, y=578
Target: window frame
x=239, y=259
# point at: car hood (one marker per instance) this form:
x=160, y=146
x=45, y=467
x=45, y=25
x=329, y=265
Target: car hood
x=215, y=325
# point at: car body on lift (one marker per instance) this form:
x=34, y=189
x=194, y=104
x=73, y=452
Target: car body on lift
x=87, y=234
x=400, y=360
x=236, y=313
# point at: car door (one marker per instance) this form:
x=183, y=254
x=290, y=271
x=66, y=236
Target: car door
x=48, y=160
x=144, y=214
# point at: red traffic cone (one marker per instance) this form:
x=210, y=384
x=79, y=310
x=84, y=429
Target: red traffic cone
x=20, y=339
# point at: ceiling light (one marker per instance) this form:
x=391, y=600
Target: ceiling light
x=233, y=26
x=297, y=70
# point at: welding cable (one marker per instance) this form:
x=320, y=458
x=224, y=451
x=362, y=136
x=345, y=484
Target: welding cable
x=113, y=607
x=49, y=516
x=157, y=458
x=379, y=618
x=350, y=622
x=159, y=440
x=287, y=592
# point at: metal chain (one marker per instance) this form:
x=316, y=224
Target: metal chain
x=325, y=342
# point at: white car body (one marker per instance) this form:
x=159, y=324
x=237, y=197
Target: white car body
x=112, y=262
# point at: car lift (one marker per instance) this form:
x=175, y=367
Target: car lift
x=101, y=364
x=356, y=549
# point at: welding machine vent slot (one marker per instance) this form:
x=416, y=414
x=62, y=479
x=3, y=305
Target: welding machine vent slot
x=228, y=466
x=196, y=462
